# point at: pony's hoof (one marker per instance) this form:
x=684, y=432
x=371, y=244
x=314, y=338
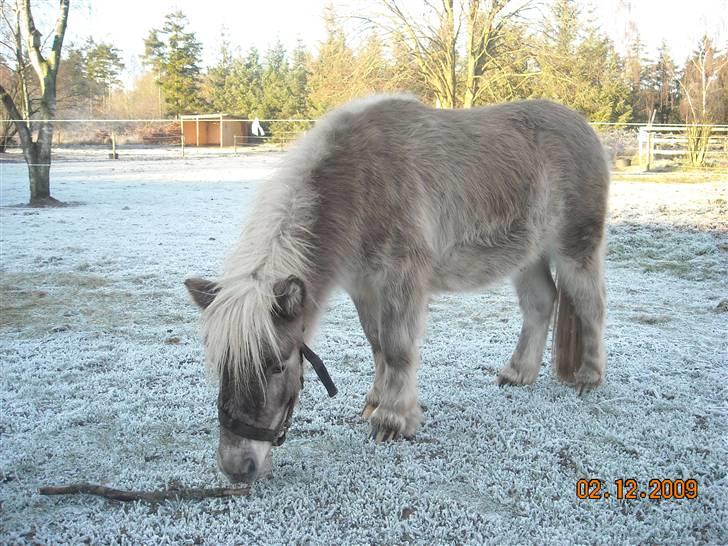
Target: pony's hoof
x=385, y=426
x=368, y=410
x=513, y=376
x=586, y=379
x=383, y=435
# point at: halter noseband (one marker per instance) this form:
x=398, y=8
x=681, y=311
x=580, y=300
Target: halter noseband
x=278, y=435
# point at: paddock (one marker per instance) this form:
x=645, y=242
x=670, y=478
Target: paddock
x=103, y=380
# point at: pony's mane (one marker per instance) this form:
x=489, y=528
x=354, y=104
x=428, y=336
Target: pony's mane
x=238, y=325
x=275, y=243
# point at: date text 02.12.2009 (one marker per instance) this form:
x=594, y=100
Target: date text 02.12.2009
x=629, y=489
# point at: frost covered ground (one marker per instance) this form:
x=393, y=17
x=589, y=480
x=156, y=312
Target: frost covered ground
x=102, y=381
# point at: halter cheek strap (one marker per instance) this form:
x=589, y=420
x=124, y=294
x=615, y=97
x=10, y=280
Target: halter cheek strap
x=278, y=435
x=318, y=366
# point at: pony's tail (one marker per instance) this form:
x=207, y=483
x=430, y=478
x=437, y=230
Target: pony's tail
x=567, y=340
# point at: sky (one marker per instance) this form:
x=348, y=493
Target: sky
x=261, y=22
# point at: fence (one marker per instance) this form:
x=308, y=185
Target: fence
x=681, y=140
x=149, y=138
x=217, y=135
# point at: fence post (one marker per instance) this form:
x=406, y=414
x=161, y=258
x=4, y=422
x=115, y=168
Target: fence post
x=641, y=135
x=113, y=154
x=650, y=144
x=182, y=145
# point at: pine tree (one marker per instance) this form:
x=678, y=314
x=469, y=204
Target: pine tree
x=217, y=85
x=298, y=85
x=174, y=53
x=579, y=67
x=87, y=76
x=662, y=87
x=332, y=71
x=276, y=100
x=73, y=85
x=103, y=66
x=245, y=84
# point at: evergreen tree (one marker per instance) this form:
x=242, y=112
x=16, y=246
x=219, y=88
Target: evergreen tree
x=662, y=87
x=73, y=85
x=218, y=84
x=276, y=99
x=87, y=77
x=579, y=67
x=174, y=54
x=103, y=66
x=372, y=68
x=635, y=75
x=246, y=84
x=298, y=85
x=601, y=94
x=332, y=71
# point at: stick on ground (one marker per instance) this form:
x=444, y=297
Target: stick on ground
x=147, y=496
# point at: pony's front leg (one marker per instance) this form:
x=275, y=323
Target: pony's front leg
x=367, y=306
x=402, y=317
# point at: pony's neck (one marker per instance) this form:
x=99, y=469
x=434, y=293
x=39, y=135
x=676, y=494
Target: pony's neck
x=285, y=236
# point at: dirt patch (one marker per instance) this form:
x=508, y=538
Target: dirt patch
x=33, y=304
x=651, y=319
x=47, y=203
x=680, y=176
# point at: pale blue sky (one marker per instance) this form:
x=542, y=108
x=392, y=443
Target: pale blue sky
x=261, y=22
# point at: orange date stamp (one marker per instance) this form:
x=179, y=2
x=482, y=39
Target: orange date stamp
x=629, y=489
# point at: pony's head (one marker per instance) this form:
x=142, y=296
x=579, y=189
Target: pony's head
x=254, y=341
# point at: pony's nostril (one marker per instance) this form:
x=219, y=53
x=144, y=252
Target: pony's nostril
x=246, y=472
x=248, y=467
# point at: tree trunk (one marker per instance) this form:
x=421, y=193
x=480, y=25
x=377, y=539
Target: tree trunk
x=38, y=158
x=40, y=191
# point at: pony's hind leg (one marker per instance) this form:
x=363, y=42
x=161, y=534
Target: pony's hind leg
x=367, y=306
x=536, y=295
x=583, y=282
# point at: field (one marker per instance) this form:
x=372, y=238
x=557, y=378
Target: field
x=102, y=380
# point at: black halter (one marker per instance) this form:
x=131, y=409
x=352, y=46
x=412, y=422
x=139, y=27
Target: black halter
x=278, y=435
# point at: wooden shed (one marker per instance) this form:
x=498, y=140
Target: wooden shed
x=214, y=130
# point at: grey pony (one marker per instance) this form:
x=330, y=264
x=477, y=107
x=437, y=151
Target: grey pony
x=392, y=201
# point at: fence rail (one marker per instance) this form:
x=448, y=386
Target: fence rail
x=672, y=141
x=142, y=138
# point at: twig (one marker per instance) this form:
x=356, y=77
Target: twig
x=147, y=496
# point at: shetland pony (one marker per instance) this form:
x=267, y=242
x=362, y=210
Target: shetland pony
x=392, y=200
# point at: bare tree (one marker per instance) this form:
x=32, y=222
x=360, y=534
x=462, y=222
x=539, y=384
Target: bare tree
x=14, y=75
x=487, y=25
x=432, y=42
x=455, y=72
x=36, y=134
x=702, y=102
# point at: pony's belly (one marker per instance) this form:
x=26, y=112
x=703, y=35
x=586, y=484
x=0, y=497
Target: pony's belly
x=473, y=267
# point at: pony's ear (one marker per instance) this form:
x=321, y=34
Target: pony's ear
x=202, y=291
x=290, y=294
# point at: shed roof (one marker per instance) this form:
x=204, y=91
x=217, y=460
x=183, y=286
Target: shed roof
x=212, y=117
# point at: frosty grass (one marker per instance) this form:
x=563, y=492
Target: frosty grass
x=102, y=381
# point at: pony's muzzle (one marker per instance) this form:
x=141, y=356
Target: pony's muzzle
x=238, y=469
x=243, y=460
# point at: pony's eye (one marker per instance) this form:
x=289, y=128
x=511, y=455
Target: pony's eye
x=279, y=368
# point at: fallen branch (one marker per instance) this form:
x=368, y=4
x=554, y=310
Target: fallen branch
x=147, y=496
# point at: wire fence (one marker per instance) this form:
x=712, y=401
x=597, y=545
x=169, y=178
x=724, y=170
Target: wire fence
x=153, y=138
x=219, y=135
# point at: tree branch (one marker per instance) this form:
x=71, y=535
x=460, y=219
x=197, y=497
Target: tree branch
x=33, y=37
x=20, y=124
x=58, y=35
x=146, y=496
